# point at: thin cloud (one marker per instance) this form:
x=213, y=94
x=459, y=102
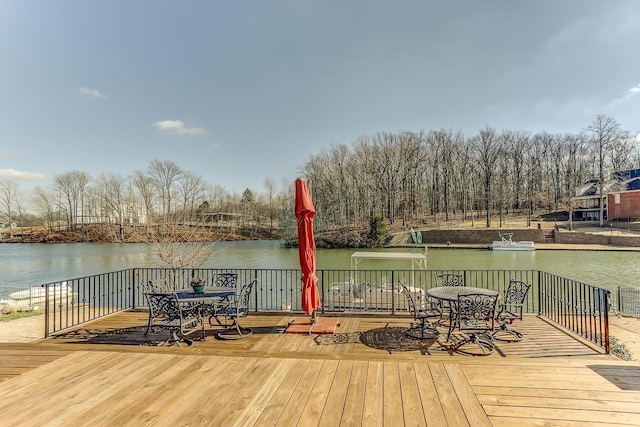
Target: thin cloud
x=628, y=94
x=178, y=127
x=94, y=93
x=15, y=175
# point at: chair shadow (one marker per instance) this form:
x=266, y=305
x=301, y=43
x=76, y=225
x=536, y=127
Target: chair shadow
x=135, y=335
x=395, y=339
x=122, y=336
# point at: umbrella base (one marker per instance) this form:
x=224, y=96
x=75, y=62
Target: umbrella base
x=304, y=325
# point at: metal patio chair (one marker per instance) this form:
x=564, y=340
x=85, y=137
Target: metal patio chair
x=510, y=309
x=225, y=280
x=449, y=279
x=180, y=318
x=235, y=310
x=422, y=328
x=474, y=317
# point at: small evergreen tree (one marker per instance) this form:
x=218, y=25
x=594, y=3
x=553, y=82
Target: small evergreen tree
x=377, y=229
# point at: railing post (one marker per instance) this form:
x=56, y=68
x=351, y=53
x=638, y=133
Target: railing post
x=539, y=292
x=607, y=298
x=132, y=278
x=255, y=289
x=46, y=310
x=322, y=289
x=393, y=293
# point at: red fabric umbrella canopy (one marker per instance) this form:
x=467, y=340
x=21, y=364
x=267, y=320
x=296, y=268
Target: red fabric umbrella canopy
x=306, y=247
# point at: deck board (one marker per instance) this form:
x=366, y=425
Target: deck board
x=109, y=374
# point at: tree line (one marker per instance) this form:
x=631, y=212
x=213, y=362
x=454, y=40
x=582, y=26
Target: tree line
x=164, y=193
x=402, y=177
x=445, y=175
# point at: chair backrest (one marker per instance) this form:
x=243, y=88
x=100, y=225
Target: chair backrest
x=449, y=280
x=225, y=280
x=476, y=311
x=411, y=304
x=242, y=303
x=163, y=305
x=514, y=297
x=516, y=292
x=154, y=287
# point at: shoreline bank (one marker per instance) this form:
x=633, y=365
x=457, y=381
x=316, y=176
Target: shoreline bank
x=539, y=246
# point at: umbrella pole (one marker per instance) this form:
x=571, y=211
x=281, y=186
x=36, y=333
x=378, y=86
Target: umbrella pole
x=314, y=317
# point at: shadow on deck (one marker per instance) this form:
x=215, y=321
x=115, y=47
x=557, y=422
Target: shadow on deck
x=357, y=336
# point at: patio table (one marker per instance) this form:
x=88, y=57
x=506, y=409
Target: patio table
x=209, y=301
x=450, y=295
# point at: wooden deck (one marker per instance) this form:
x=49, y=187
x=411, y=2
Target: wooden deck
x=111, y=374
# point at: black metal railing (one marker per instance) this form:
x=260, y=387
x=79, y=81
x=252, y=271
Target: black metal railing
x=627, y=300
x=581, y=308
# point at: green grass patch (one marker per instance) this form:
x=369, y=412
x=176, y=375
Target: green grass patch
x=20, y=314
x=619, y=349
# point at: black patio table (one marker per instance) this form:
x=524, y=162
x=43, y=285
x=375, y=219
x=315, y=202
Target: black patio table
x=450, y=295
x=209, y=300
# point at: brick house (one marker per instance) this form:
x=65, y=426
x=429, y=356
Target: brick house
x=621, y=198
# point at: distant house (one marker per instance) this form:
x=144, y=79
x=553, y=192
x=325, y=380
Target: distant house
x=621, y=198
x=586, y=203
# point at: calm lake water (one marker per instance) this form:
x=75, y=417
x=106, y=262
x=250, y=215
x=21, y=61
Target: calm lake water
x=38, y=263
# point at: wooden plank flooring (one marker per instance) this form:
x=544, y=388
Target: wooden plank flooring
x=123, y=388
x=108, y=373
x=356, y=337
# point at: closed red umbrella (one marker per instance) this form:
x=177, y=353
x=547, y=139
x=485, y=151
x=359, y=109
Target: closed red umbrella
x=307, y=248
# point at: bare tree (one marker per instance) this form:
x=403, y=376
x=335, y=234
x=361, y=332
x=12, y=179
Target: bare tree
x=44, y=201
x=604, y=131
x=165, y=175
x=71, y=187
x=270, y=187
x=143, y=183
x=191, y=188
x=620, y=152
x=8, y=201
x=488, y=150
x=112, y=189
x=178, y=248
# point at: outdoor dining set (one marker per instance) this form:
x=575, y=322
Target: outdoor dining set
x=480, y=315
x=183, y=312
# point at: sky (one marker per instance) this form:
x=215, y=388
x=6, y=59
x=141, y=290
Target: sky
x=241, y=91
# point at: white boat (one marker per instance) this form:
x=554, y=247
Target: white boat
x=506, y=243
x=37, y=295
x=365, y=296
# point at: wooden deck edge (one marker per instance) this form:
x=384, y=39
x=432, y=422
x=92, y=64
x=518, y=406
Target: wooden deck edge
x=572, y=334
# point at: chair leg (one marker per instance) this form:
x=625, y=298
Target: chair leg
x=452, y=326
x=485, y=344
x=220, y=323
x=504, y=329
x=148, y=325
x=175, y=339
x=238, y=332
x=422, y=330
